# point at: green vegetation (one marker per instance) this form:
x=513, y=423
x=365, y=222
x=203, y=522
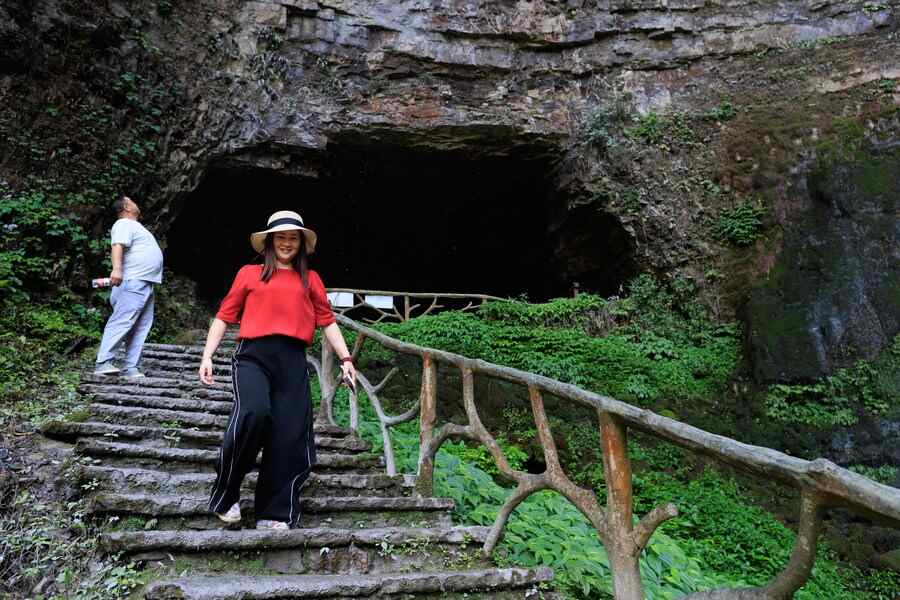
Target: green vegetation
x=606, y=125
x=721, y=538
x=664, y=131
x=670, y=352
x=724, y=111
x=603, y=123
x=544, y=529
x=885, y=474
x=868, y=387
x=50, y=543
x=740, y=225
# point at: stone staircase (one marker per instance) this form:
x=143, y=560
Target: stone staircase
x=145, y=453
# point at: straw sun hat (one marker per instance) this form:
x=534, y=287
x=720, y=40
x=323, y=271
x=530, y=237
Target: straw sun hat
x=283, y=220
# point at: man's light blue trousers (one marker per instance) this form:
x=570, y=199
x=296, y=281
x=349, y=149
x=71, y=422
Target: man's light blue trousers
x=130, y=322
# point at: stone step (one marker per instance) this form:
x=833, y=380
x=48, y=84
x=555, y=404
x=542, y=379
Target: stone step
x=317, y=511
x=160, y=417
x=200, y=483
x=309, y=550
x=152, y=372
x=257, y=539
x=166, y=402
x=195, y=350
x=155, y=417
x=497, y=584
x=130, y=452
x=68, y=430
x=159, y=392
x=181, y=365
x=189, y=384
x=183, y=355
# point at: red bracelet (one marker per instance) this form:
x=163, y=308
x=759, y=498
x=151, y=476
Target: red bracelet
x=348, y=359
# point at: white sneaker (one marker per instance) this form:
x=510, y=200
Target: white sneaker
x=233, y=515
x=266, y=524
x=106, y=368
x=132, y=374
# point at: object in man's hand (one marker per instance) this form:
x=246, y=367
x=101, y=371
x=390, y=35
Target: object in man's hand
x=345, y=379
x=101, y=282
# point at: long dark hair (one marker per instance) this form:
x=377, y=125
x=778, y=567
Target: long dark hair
x=300, y=263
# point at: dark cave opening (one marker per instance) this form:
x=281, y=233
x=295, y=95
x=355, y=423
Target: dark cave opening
x=388, y=218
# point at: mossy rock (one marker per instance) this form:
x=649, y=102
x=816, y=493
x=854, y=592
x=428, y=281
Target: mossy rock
x=889, y=560
x=833, y=296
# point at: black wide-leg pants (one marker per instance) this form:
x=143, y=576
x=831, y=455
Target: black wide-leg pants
x=273, y=412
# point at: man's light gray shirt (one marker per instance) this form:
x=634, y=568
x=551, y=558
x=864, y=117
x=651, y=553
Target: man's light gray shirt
x=143, y=259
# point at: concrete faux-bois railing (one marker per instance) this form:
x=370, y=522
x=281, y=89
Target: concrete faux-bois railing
x=400, y=306
x=821, y=483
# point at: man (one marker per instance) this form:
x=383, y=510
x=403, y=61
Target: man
x=137, y=265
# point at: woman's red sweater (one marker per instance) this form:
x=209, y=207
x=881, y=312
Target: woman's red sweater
x=280, y=306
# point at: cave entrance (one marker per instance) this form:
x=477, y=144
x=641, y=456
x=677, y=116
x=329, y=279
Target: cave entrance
x=388, y=218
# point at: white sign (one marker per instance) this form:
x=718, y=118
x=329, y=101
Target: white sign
x=380, y=301
x=341, y=299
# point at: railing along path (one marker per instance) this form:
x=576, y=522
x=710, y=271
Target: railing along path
x=822, y=484
x=413, y=304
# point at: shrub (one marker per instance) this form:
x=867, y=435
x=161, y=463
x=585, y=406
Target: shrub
x=741, y=225
x=868, y=387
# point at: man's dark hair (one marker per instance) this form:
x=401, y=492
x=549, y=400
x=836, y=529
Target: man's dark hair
x=119, y=204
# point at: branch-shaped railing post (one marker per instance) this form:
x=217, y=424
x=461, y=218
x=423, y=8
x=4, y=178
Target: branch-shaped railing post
x=620, y=547
x=799, y=567
x=427, y=417
x=327, y=384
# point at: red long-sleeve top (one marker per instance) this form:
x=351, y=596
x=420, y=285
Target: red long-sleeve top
x=280, y=306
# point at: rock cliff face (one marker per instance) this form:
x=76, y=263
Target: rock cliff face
x=642, y=120
x=834, y=293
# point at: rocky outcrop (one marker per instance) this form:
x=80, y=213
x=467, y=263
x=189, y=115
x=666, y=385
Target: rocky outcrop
x=637, y=122
x=833, y=296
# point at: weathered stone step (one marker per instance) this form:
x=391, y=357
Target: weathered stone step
x=317, y=511
x=186, y=375
x=166, y=402
x=497, y=584
x=159, y=392
x=200, y=483
x=310, y=550
x=181, y=365
x=182, y=355
x=189, y=384
x=119, y=450
x=160, y=417
x=155, y=417
x=256, y=539
x=68, y=430
x=225, y=348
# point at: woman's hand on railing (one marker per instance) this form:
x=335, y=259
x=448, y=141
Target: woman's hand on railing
x=206, y=371
x=348, y=375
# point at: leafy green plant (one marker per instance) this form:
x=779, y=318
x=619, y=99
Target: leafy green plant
x=868, y=387
x=666, y=131
x=649, y=129
x=481, y=457
x=740, y=225
x=35, y=549
x=580, y=311
x=887, y=86
x=885, y=474
x=603, y=123
x=724, y=111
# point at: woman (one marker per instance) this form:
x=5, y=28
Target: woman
x=278, y=305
